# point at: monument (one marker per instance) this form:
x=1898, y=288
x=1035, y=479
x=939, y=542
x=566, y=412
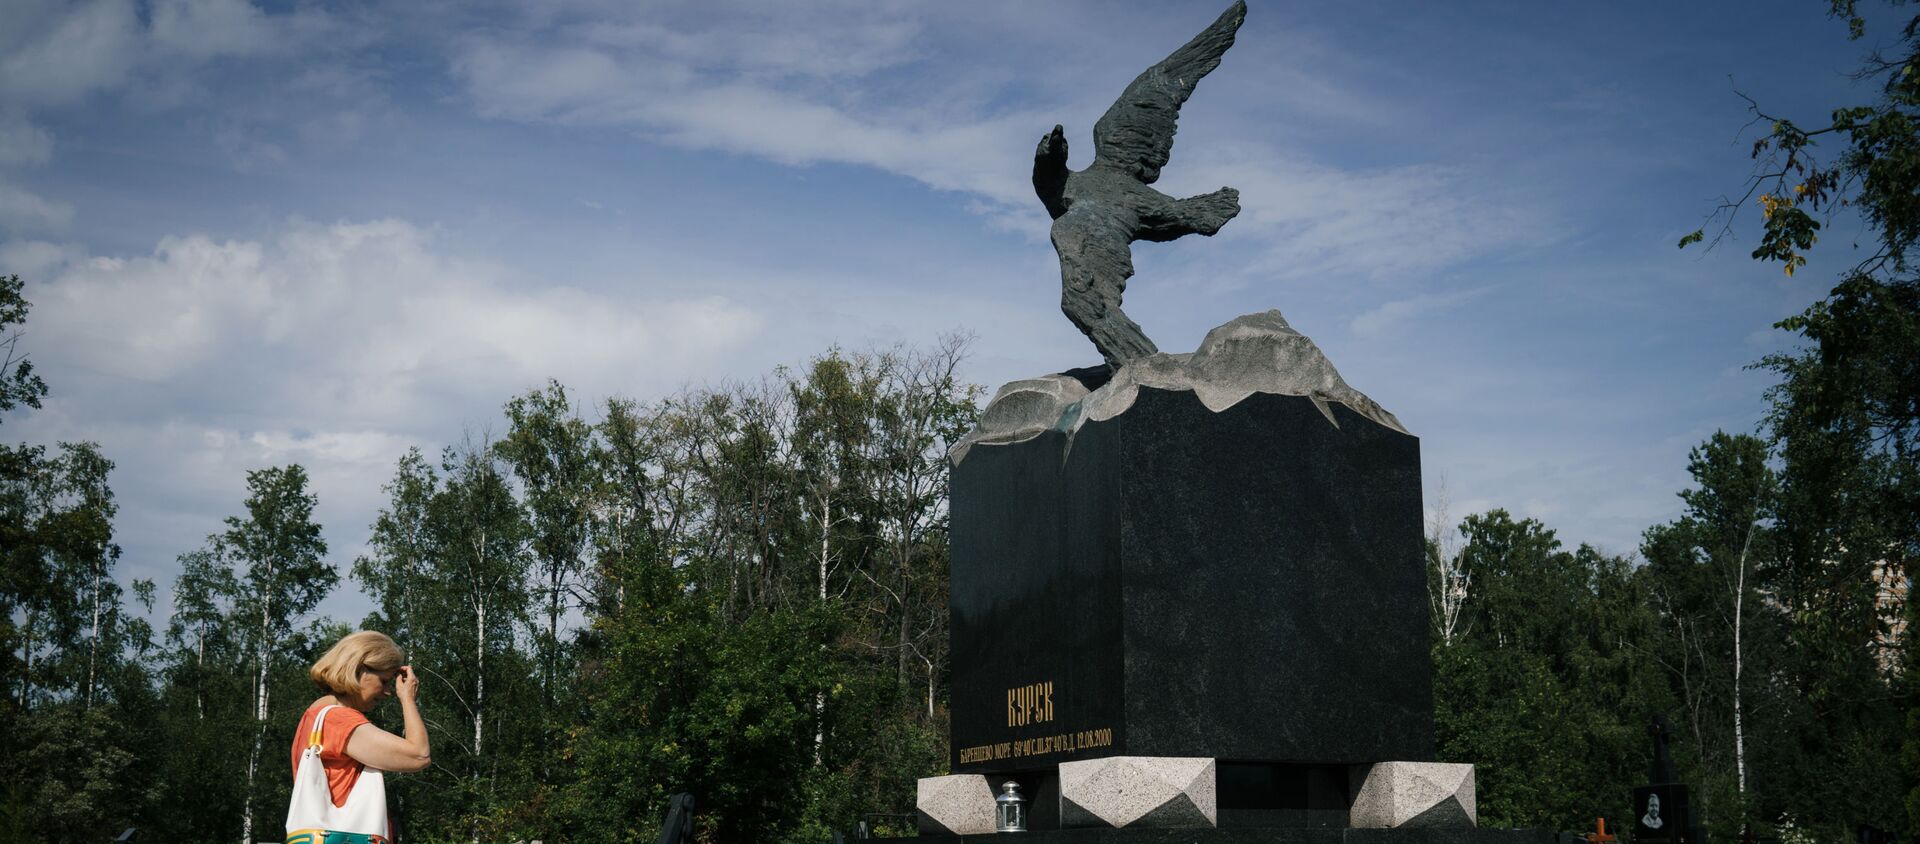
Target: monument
x=1188, y=590
x=1665, y=817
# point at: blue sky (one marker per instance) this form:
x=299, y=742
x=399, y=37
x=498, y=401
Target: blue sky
x=323, y=233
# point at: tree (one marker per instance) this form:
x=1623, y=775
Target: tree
x=449, y=567
x=73, y=691
x=1875, y=172
x=1846, y=414
x=282, y=574
x=1448, y=584
x=1706, y=568
x=18, y=383
x=550, y=449
x=206, y=702
x=1545, y=686
x=22, y=495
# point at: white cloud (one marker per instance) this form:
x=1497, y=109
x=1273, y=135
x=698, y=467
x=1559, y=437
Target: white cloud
x=22, y=210
x=245, y=149
x=203, y=29
x=335, y=346
x=775, y=89
x=1378, y=321
x=36, y=258
x=21, y=142
x=155, y=318
x=761, y=81
x=779, y=46
x=1319, y=221
x=366, y=321
x=53, y=59
x=54, y=54
x=981, y=156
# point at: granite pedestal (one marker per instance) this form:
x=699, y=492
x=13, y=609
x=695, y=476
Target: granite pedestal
x=1174, y=581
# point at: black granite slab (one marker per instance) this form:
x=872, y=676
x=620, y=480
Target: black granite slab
x=1245, y=585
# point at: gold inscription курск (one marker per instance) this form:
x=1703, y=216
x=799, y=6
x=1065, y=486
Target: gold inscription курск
x=1030, y=704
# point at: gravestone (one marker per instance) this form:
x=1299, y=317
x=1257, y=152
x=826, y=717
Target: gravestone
x=677, y=827
x=1664, y=814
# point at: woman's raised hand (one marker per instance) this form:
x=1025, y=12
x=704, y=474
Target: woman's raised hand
x=406, y=684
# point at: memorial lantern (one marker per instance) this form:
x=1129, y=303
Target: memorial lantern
x=1010, y=809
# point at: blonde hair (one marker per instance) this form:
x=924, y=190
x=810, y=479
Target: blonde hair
x=339, y=670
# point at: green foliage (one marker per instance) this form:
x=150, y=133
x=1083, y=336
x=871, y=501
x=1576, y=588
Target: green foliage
x=1845, y=530
x=449, y=571
x=74, y=692
x=1845, y=419
x=1543, y=688
x=1720, y=638
x=550, y=450
x=18, y=384
x=91, y=777
x=1756, y=623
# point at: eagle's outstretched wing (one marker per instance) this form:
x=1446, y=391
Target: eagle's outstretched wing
x=1136, y=133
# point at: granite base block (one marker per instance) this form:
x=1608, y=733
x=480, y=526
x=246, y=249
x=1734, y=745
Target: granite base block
x=1284, y=835
x=1139, y=791
x=1401, y=795
x=961, y=804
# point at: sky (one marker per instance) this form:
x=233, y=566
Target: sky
x=256, y=234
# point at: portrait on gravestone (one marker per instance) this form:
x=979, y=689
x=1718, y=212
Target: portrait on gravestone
x=1662, y=815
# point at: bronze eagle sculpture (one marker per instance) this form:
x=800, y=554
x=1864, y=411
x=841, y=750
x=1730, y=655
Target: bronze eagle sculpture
x=1099, y=212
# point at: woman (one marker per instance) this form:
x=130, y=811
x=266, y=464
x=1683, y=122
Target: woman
x=355, y=674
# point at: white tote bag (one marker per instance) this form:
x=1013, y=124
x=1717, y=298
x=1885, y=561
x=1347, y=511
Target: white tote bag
x=311, y=816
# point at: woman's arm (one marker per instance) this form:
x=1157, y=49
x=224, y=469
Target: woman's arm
x=377, y=748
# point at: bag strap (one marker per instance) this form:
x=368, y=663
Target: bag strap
x=313, y=736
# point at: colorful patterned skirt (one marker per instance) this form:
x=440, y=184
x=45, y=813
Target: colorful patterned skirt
x=321, y=836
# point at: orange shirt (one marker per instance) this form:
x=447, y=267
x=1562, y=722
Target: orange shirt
x=342, y=770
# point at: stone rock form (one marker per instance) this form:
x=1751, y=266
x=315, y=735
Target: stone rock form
x=1255, y=353
x=1415, y=795
x=961, y=804
x=1099, y=212
x=1022, y=409
x=1138, y=791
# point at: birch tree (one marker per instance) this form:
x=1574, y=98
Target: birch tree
x=448, y=565
x=925, y=409
x=1705, y=564
x=1448, y=582
x=1727, y=513
x=550, y=449
x=282, y=576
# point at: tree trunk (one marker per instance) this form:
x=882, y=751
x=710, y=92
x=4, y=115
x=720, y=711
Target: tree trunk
x=26, y=661
x=480, y=691
x=259, y=717
x=253, y=764
x=1739, y=602
x=930, y=684
x=820, y=698
x=480, y=675
x=93, y=636
x=553, y=629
